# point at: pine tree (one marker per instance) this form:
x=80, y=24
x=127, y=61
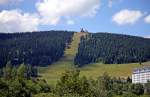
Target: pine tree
x=8, y=71
x=21, y=71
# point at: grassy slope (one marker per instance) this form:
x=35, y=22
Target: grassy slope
x=114, y=70
x=53, y=72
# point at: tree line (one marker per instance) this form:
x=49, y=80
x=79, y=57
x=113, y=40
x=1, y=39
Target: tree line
x=71, y=84
x=19, y=82
x=36, y=48
x=112, y=49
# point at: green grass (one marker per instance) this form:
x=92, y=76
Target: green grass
x=139, y=96
x=53, y=72
x=114, y=70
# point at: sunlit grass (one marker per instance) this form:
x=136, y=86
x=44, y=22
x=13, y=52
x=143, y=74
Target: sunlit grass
x=53, y=72
x=114, y=70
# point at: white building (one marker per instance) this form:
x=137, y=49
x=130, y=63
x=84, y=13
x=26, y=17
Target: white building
x=141, y=75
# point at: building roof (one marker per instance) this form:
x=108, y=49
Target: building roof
x=141, y=70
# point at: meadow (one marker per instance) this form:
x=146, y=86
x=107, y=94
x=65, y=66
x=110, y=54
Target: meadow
x=53, y=72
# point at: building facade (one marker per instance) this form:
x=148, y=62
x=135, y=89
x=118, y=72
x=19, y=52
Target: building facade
x=141, y=75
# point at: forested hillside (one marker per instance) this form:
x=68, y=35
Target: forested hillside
x=36, y=48
x=43, y=48
x=112, y=49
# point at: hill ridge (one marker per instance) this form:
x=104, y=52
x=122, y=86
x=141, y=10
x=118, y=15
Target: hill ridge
x=53, y=72
x=65, y=63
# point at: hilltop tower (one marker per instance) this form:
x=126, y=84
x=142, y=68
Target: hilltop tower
x=83, y=30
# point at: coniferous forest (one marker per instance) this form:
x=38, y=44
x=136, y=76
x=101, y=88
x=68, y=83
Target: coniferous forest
x=21, y=53
x=36, y=48
x=15, y=82
x=46, y=47
x=112, y=49
x=74, y=48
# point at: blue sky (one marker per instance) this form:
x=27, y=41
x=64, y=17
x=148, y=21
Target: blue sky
x=115, y=16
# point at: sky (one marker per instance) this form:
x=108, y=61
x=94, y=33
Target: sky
x=115, y=16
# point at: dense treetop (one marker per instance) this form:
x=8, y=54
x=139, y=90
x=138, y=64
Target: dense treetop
x=36, y=48
x=46, y=47
x=112, y=49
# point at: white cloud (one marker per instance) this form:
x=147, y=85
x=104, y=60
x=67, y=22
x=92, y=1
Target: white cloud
x=9, y=1
x=16, y=21
x=52, y=11
x=127, y=17
x=70, y=22
x=147, y=19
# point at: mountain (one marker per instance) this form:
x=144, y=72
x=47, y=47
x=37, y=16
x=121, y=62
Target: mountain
x=111, y=48
x=36, y=48
x=46, y=47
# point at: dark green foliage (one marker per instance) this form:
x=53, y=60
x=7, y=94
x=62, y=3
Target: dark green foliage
x=129, y=95
x=37, y=48
x=32, y=71
x=137, y=89
x=112, y=49
x=72, y=95
x=8, y=71
x=15, y=83
x=147, y=88
x=22, y=88
x=71, y=83
x=129, y=80
x=46, y=95
x=103, y=87
x=21, y=71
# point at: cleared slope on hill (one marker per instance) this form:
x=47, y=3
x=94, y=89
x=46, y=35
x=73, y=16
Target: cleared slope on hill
x=53, y=72
x=39, y=48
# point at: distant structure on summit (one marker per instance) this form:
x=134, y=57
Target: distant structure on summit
x=83, y=31
x=141, y=75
